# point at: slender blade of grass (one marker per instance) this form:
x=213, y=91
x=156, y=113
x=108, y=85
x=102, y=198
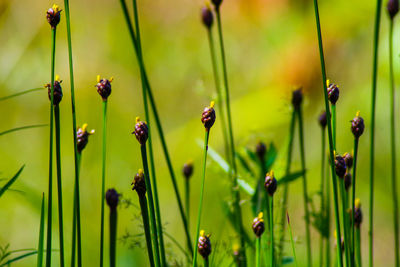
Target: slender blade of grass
x=113, y=236
x=291, y=238
x=258, y=252
x=22, y=128
x=41, y=235
x=354, y=200
x=11, y=181
x=8, y=263
x=21, y=93
x=322, y=189
x=146, y=225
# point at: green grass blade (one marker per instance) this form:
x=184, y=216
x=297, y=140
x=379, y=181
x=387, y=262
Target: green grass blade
x=11, y=181
x=291, y=238
x=21, y=93
x=22, y=128
x=8, y=263
x=41, y=235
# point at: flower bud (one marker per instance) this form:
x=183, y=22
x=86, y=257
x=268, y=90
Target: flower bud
x=207, y=17
x=333, y=92
x=112, y=198
x=204, y=245
x=82, y=137
x=139, y=184
x=141, y=131
x=392, y=8
x=57, y=91
x=258, y=225
x=270, y=183
x=208, y=116
x=347, y=181
x=340, y=166
x=297, y=98
x=104, y=87
x=322, y=119
x=357, y=125
x=53, y=16
x=188, y=169
x=261, y=149
x=357, y=213
x=348, y=158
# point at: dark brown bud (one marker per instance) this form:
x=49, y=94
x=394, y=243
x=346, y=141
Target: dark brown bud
x=333, y=92
x=297, y=98
x=104, y=87
x=57, y=91
x=82, y=137
x=358, y=216
x=258, y=225
x=216, y=3
x=347, y=181
x=141, y=131
x=187, y=169
x=340, y=166
x=270, y=183
x=261, y=149
x=204, y=245
x=139, y=184
x=53, y=15
x=207, y=17
x=208, y=116
x=392, y=8
x=322, y=119
x=112, y=198
x=348, y=158
x=357, y=126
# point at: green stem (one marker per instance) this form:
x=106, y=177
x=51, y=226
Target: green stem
x=286, y=186
x=271, y=230
x=151, y=205
x=345, y=221
x=103, y=182
x=305, y=194
x=354, y=200
x=75, y=213
x=59, y=184
x=21, y=93
x=328, y=220
x=50, y=200
x=258, y=252
x=333, y=106
x=358, y=247
x=76, y=157
x=322, y=191
x=113, y=236
x=146, y=225
x=328, y=118
x=41, y=235
x=206, y=262
x=236, y=192
x=372, y=135
x=187, y=199
x=291, y=239
x=203, y=179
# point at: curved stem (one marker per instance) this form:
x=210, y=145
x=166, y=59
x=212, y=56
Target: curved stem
x=103, y=182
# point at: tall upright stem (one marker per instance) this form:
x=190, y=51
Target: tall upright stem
x=358, y=247
x=187, y=199
x=271, y=231
x=258, y=250
x=76, y=210
x=41, y=235
x=328, y=117
x=393, y=148
x=146, y=225
x=113, y=236
x=345, y=221
x=354, y=200
x=322, y=191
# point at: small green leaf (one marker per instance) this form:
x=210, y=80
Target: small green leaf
x=18, y=258
x=270, y=157
x=11, y=181
x=251, y=155
x=290, y=178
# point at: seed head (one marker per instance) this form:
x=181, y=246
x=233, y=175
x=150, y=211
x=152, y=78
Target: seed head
x=347, y=181
x=348, y=158
x=270, y=183
x=333, y=92
x=141, y=131
x=207, y=16
x=139, y=184
x=322, y=119
x=82, y=137
x=188, y=169
x=357, y=213
x=216, y=3
x=53, y=16
x=112, y=198
x=204, y=245
x=392, y=8
x=258, y=225
x=57, y=91
x=340, y=166
x=208, y=116
x=357, y=125
x=261, y=149
x=104, y=87
x=297, y=98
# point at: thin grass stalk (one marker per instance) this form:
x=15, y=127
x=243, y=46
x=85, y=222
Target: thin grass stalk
x=372, y=135
x=187, y=200
x=103, y=182
x=113, y=236
x=291, y=238
x=358, y=247
x=74, y=219
x=258, y=252
x=333, y=109
x=41, y=235
x=219, y=93
x=149, y=141
x=158, y=124
x=393, y=148
x=236, y=192
x=146, y=225
x=153, y=223
x=76, y=157
x=286, y=186
x=59, y=185
x=328, y=220
x=328, y=118
x=354, y=200
x=346, y=221
x=50, y=198
x=322, y=191
x=203, y=179
x=21, y=93
x=271, y=231
x=305, y=193
x=206, y=262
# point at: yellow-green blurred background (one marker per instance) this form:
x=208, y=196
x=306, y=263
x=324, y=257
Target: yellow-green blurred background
x=271, y=47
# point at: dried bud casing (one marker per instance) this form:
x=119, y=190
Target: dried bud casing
x=348, y=158
x=204, y=245
x=333, y=93
x=139, y=184
x=57, y=91
x=82, y=137
x=207, y=17
x=297, y=98
x=340, y=166
x=104, y=87
x=392, y=8
x=261, y=149
x=322, y=119
x=53, y=16
x=141, y=131
x=347, y=181
x=270, y=183
x=258, y=225
x=358, y=217
x=112, y=198
x=357, y=126
x=208, y=116
x=187, y=169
